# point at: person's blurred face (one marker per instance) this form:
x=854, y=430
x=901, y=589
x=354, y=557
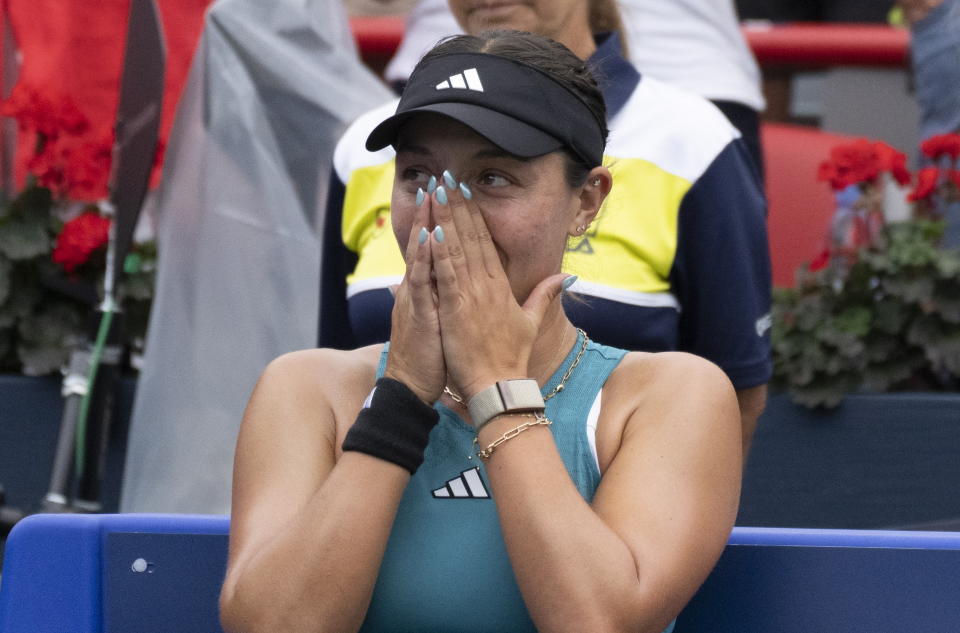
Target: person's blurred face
x=566, y=21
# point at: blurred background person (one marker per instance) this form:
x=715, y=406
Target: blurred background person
x=935, y=52
x=694, y=44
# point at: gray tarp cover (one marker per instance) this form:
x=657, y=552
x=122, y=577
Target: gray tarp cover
x=272, y=86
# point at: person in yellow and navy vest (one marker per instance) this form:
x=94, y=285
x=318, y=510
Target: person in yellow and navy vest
x=676, y=260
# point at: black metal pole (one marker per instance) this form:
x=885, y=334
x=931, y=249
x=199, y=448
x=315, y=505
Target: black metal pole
x=74, y=389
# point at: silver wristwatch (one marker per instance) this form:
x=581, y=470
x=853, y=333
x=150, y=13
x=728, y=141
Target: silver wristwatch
x=506, y=396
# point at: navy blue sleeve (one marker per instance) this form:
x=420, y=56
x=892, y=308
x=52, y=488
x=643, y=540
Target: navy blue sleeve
x=721, y=274
x=336, y=262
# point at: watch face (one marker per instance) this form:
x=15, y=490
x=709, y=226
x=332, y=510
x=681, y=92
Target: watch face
x=504, y=397
x=520, y=394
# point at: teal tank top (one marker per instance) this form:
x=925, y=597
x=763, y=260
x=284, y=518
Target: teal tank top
x=446, y=567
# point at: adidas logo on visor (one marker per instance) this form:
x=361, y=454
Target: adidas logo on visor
x=467, y=80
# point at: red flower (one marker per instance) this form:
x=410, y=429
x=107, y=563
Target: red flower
x=942, y=145
x=862, y=162
x=893, y=161
x=927, y=179
x=70, y=119
x=73, y=168
x=820, y=261
x=955, y=177
x=47, y=166
x=87, y=169
x=49, y=116
x=849, y=164
x=79, y=239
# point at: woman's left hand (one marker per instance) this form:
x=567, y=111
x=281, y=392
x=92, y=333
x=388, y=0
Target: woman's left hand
x=486, y=335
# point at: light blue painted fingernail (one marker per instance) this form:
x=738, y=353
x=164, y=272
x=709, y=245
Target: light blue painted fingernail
x=569, y=281
x=466, y=191
x=432, y=184
x=448, y=178
x=438, y=234
x=421, y=196
x=441, y=195
x=424, y=234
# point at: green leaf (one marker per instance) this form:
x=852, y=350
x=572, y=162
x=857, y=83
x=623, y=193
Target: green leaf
x=855, y=321
x=946, y=301
x=824, y=393
x=890, y=316
x=46, y=337
x=5, y=346
x=19, y=304
x=6, y=270
x=948, y=265
x=41, y=359
x=945, y=355
x=33, y=202
x=950, y=356
x=54, y=324
x=138, y=286
x=925, y=331
x=810, y=312
x=880, y=348
x=21, y=239
x=882, y=376
x=910, y=289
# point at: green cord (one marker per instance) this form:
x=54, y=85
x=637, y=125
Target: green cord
x=96, y=354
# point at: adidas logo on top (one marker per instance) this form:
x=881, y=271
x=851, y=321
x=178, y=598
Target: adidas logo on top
x=468, y=485
x=467, y=80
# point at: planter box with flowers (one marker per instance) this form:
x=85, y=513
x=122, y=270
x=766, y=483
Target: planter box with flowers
x=879, y=309
x=867, y=353
x=53, y=236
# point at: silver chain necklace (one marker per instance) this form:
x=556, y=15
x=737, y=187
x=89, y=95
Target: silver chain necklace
x=456, y=397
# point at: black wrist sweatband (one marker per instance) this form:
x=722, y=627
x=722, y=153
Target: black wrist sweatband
x=395, y=427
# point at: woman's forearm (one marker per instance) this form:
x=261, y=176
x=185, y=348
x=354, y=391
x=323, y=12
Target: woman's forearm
x=317, y=573
x=574, y=571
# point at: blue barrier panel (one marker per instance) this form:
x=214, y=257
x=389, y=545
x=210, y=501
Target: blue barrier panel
x=172, y=580
x=75, y=573
x=162, y=574
x=805, y=581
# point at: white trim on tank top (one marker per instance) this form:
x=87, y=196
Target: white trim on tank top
x=592, y=419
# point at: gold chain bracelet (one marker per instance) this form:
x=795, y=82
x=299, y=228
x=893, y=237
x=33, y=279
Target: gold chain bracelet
x=540, y=420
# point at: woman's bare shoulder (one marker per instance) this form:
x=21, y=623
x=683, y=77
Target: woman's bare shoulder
x=320, y=379
x=653, y=372
x=674, y=381
x=666, y=389
x=324, y=364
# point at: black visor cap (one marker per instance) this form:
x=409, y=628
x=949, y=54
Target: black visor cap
x=516, y=107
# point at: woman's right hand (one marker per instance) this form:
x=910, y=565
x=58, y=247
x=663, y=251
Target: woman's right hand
x=416, y=355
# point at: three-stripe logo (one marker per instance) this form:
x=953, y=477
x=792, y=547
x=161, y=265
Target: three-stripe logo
x=468, y=485
x=467, y=80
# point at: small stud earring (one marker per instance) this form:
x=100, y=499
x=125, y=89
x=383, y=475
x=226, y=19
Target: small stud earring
x=596, y=182
x=581, y=229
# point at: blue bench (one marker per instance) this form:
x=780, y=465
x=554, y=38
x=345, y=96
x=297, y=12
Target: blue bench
x=162, y=573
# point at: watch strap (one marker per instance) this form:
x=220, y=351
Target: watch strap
x=505, y=396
